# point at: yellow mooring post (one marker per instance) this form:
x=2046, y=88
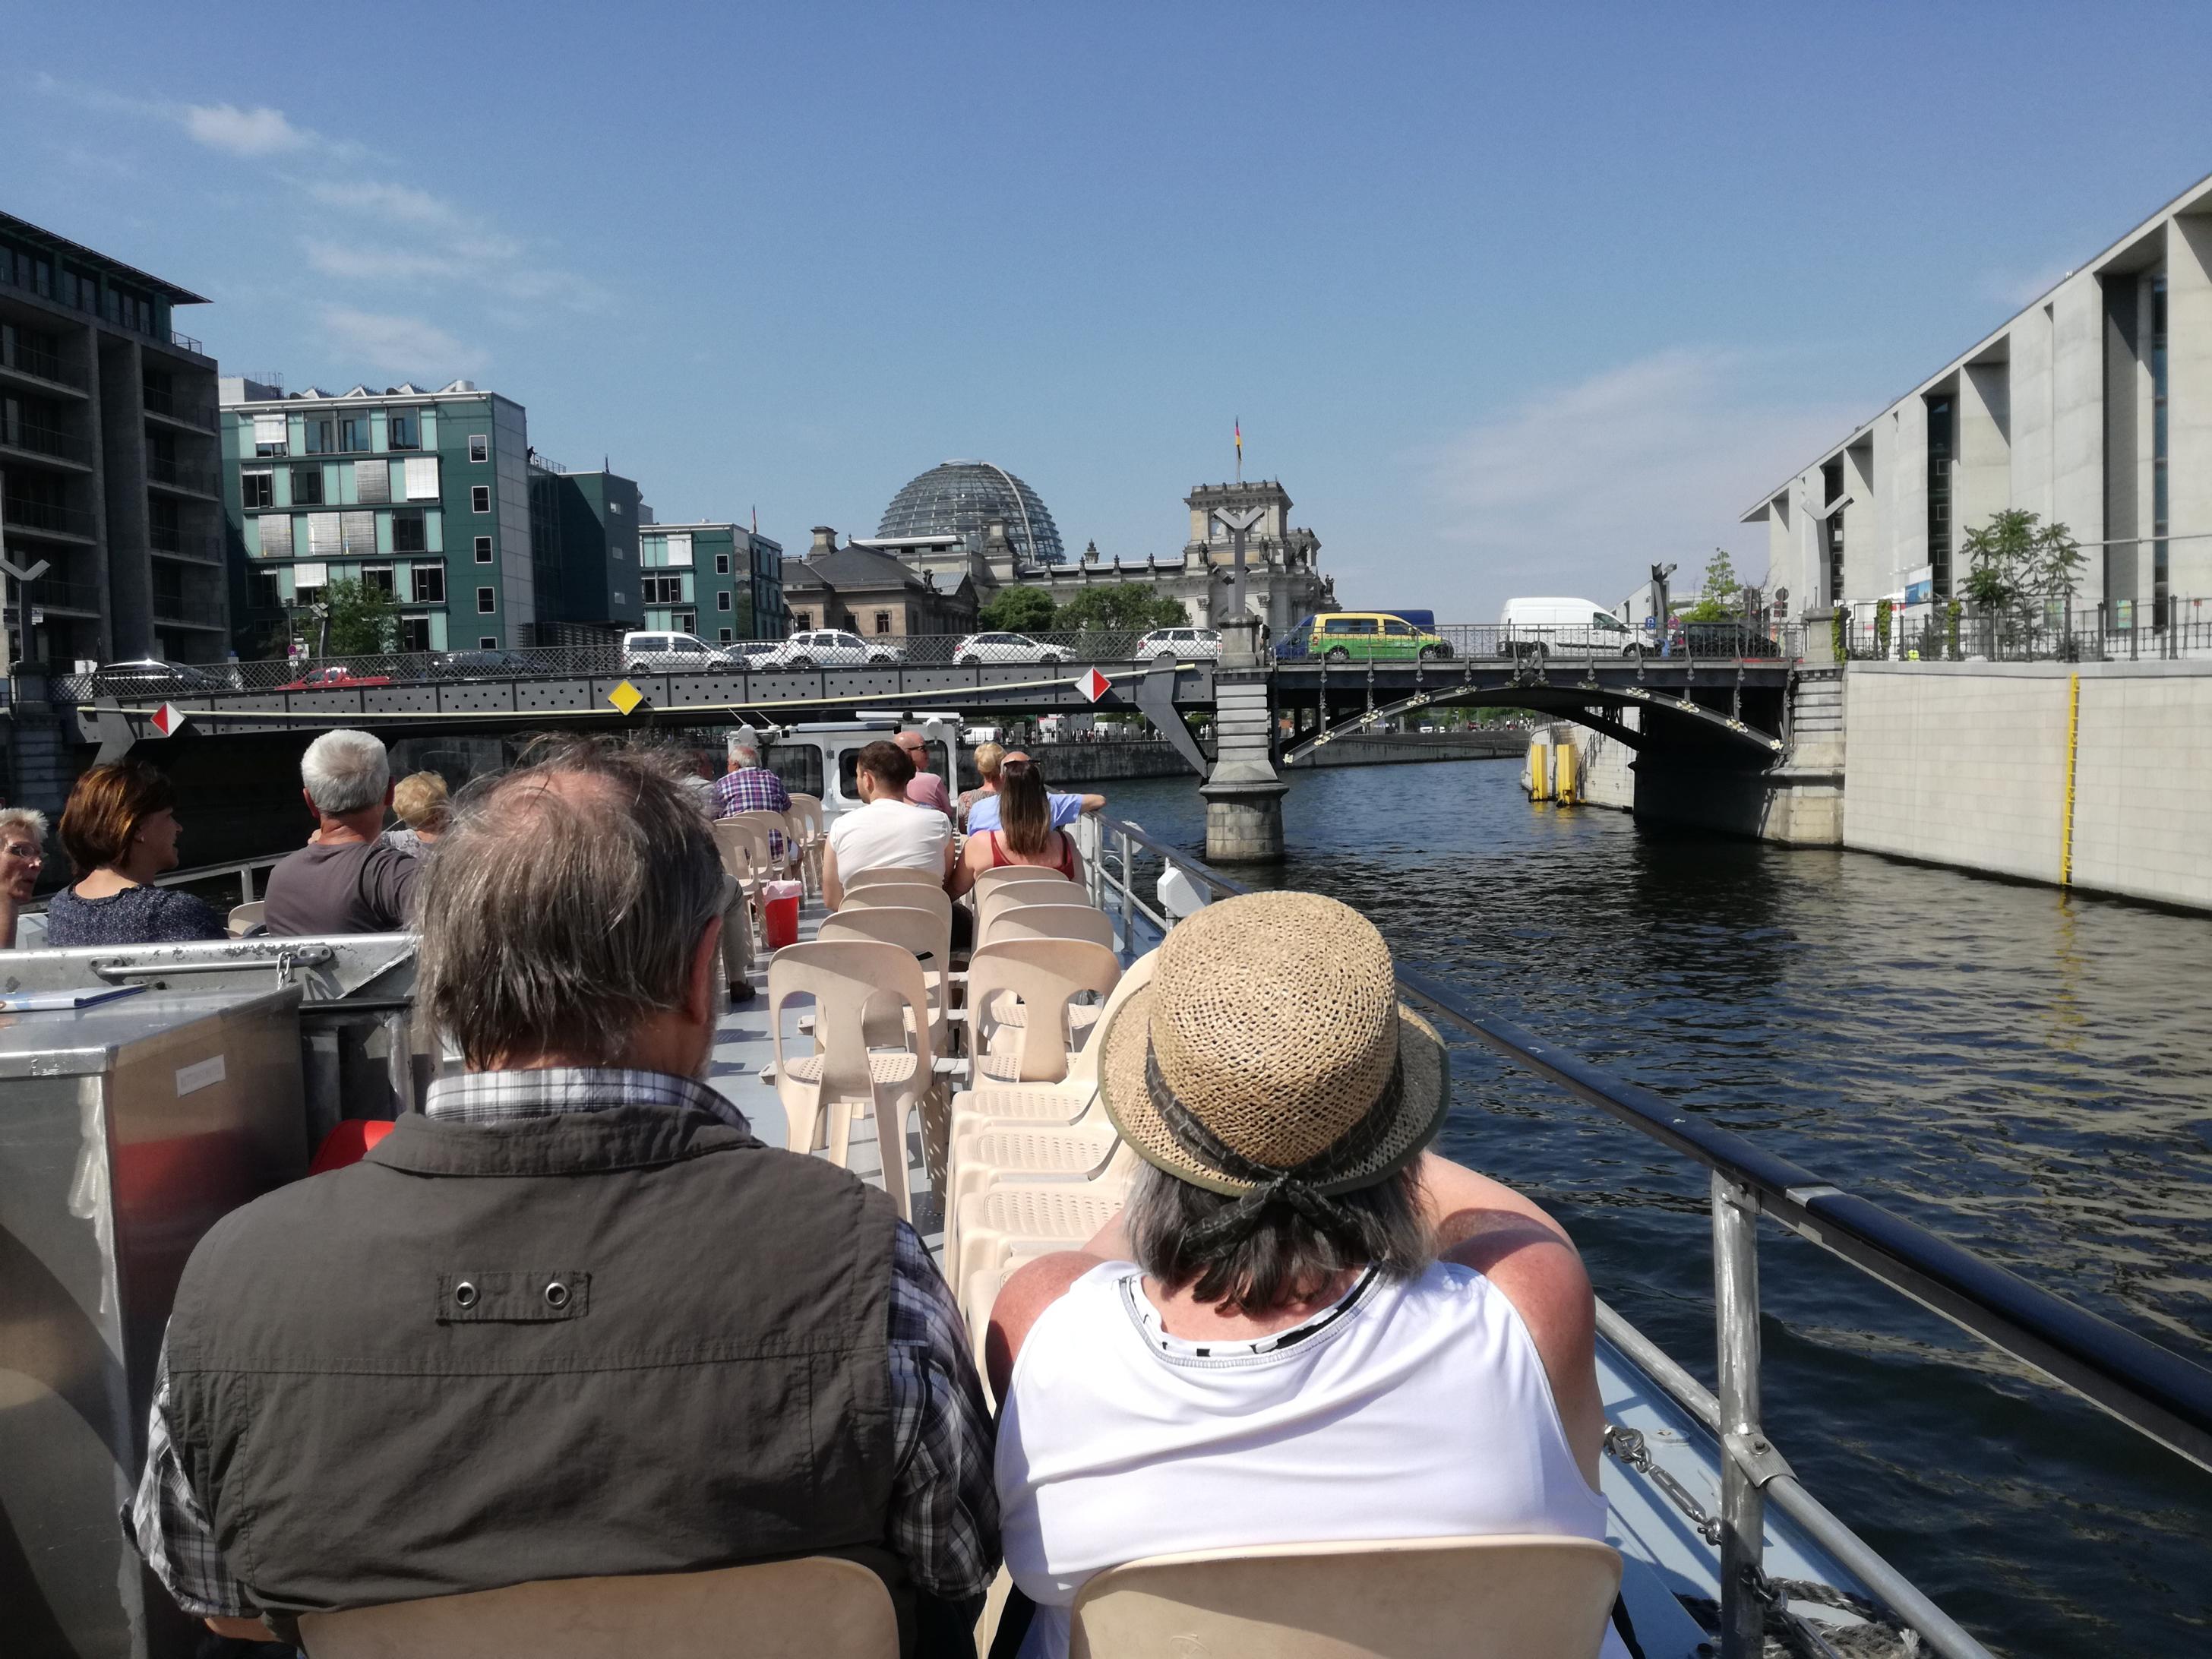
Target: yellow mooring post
x=1539, y=770
x=1562, y=755
x=2073, y=740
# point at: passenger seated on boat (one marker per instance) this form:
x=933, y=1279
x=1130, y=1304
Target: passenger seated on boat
x=1301, y=1329
x=983, y=811
x=572, y=1319
x=1025, y=833
x=22, y=855
x=925, y=787
x=348, y=878
x=888, y=832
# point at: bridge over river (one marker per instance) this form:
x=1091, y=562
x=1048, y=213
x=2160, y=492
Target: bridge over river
x=1727, y=715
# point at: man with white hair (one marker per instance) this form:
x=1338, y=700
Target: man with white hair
x=348, y=878
x=749, y=787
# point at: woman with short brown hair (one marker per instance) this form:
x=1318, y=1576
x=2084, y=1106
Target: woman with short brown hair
x=120, y=831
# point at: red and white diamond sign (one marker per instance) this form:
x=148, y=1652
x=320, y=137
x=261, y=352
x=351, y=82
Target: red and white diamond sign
x=168, y=719
x=1094, y=685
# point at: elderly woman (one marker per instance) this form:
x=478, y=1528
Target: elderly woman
x=423, y=807
x=120, y=831
x=988, y=756
x=22, y=855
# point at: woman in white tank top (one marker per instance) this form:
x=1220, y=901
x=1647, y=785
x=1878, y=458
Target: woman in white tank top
x=1289, y=1365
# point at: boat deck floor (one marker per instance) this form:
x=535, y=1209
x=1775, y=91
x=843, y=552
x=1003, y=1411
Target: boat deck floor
x=1666, y=1561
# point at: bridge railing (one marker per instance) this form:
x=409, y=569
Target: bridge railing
x=2152, y=1389
x=1491, y=642
x=2056, y=633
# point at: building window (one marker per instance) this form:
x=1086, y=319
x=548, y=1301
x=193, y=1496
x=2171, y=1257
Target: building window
x=353, y=435
x=798, y=621
x=408, y=531
x=2158, y=521
x=269, y=434
x=403, y=429
x=487, y=642
x=1832, y=484
x=486, y=602
x=722, y=637
x=661, y=590
x=414, y=634
x=1942, y=446
x=321, y=436
x=274, y=531
x=379, y=577
x=480, y=498
x=483, y=549
x=266, y=593
x=429, y=580
x=615, y=507
x=882, y=622
x=722, y=599
x=721, y=564
x=421, y=481
x=479, y=447
x=306, y=486
x=258, y=489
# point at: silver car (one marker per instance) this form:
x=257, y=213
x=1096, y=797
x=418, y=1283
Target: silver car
x=1004, y=648
x=1184, y=644
x=824, y=647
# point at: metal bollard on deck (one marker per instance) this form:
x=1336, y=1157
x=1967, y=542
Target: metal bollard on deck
x=1743, y=1504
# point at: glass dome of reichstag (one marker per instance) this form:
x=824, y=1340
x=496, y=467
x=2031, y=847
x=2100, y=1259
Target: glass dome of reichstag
x=958, y=498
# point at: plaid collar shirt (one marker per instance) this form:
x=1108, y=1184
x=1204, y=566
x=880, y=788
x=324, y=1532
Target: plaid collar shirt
x=753, y=789
x=944, y=1504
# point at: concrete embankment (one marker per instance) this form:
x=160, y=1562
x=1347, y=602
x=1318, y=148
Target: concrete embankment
x=2095, y=775
x=1395, y=748
x=1070, y=763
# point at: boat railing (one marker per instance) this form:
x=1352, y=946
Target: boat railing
x=2150, y=1388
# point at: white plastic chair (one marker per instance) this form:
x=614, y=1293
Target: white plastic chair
x=881, y=1065
x=1011, y=875
x=1501, y=1597
x=1072, y=922
x=1025, y=1020
x=813, y=835
x=816, y=1608
x=1016, y=894
x=1055, y=1105
x=245, y=918
x=874, y=878
x=982, y=1229
x=744, y=853
x=924, y=934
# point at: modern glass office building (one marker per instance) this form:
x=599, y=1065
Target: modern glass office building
x=109, y=465
x=423, y=493
x=962, y=497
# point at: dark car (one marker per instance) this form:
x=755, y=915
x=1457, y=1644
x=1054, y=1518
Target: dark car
x=1719, y=639
x=145, y=676
x=480, y=665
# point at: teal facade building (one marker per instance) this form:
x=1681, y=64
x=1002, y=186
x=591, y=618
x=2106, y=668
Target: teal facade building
x=719, y=581
x=585, y=528
x=423, y=493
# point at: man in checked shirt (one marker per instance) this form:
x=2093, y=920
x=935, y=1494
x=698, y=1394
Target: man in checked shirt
x=572, y=1319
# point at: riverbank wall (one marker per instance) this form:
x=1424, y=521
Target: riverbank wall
x=1393, y=748
x=2095, y=774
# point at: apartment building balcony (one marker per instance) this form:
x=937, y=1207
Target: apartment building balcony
x=78, y=599
x=197, y=546
x=186, y=610
x=48, y=446
x=46, y=519
x=37, y=367
x=183, y=477
x=180, y=409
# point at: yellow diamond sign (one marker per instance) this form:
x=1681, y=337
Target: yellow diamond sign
x=626, y=697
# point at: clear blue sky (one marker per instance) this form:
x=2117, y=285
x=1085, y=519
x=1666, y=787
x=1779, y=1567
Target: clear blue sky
x=1510, y=303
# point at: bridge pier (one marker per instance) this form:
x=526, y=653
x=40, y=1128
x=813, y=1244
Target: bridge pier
x=1243, y=793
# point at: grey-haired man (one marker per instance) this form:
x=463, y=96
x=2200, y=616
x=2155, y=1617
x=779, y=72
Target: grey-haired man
x=573, y=1320
x=348, y=878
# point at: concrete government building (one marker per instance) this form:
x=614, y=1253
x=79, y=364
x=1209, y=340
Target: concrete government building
x=2093, y=407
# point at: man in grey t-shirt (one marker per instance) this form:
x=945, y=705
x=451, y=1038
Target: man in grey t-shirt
x=347, y=879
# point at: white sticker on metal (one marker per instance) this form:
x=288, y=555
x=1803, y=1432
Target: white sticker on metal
x=198, y=1076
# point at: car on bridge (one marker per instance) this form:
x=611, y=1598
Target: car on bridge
x=1539, y=628
x=1719, y=639
x=485, y=664
x=337, y=677
x=978, y=648
x=1342, y=636
x=151, y=677
x=1184, y=644
x=671, y=654
x=825, y=648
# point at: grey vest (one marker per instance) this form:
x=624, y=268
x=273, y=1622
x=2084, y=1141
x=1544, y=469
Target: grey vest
x=626, y=1341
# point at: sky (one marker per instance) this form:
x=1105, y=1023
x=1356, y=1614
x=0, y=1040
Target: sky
x=1510, y=303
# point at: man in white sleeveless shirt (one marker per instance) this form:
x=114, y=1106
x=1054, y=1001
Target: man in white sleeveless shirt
x=1303, y=1328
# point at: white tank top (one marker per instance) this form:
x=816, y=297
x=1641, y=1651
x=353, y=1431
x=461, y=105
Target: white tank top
x=1407, y=1410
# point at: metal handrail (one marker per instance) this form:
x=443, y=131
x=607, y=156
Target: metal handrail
x=2149, y=1388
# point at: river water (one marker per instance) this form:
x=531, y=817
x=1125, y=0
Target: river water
x=2027, y=1073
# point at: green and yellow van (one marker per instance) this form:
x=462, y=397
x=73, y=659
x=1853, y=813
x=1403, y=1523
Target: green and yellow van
x=1340, y=636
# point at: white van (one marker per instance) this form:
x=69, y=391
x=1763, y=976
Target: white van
x=1569, y=627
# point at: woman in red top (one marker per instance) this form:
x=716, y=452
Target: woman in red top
x=1025, y=834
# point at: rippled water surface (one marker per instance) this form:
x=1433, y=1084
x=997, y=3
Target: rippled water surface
x=2026, y=1073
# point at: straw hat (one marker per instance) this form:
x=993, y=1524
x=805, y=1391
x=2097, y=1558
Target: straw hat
x=1271, y=1050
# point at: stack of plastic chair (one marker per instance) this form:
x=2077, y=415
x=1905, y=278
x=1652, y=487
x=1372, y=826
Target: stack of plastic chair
x=743, y=855
x=813, y=838
x=861, y=878
x=882, y=1062
x=773, y=827
x=1501, y=1597
x=814, y=1607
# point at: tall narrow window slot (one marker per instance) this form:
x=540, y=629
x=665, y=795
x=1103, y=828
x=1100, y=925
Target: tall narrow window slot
x=1943, y=449
x=2158, y=524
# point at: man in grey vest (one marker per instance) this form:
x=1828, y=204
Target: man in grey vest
x=572, y=1319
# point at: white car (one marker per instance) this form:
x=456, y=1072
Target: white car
x=1004, y=647
x=1184, y=644
x=670, y=653
x=824, y=647
x=1569, y=627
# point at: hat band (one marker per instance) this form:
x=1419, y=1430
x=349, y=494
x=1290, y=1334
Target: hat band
x=1297, y=1185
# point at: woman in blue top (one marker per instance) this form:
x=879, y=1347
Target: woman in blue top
x=120, y=831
